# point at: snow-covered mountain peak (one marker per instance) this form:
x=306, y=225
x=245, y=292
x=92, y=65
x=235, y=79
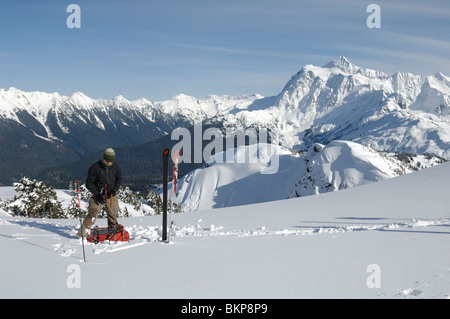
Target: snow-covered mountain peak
x=79, y=95
x=9, y=99
x=182, y=105
x=120, y=100
x=346, y=67
x=442, y=77
x=38, y=102
x=336, y=76
x=143, y=103
x=82, y=100
x=342, y=63
x=11, y=90
x=399, y=112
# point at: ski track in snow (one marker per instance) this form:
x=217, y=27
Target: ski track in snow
x=61, y=239
x=66, y=244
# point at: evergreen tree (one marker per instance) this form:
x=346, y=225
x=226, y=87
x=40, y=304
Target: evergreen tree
x=174, y=206
x=125, y=213
x=72, y=210
x=126, y=195
x=155, y=202
x=36, y=200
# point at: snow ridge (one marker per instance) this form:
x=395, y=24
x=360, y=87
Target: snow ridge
x=324, y=168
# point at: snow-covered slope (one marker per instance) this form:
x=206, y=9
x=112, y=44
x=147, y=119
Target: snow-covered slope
x=222, y=184
x=344, y=164
x=339, y=165
x=380, y=240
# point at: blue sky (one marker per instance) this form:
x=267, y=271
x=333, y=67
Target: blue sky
x=156, y=49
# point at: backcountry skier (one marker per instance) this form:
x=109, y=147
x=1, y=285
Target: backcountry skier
x=103, y=181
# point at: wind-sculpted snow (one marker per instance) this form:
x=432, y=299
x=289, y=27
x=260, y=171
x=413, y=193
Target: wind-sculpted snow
x=336, y=166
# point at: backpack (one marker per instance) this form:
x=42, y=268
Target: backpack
x=117, y=233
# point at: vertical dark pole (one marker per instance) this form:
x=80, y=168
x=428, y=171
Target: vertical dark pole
x=165, y=187
x=79, y=215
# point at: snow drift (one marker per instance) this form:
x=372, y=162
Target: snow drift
x=339, y=165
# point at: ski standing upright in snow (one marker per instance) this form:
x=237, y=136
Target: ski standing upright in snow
x=175, y=159
x=79, y=215
x=165, y=191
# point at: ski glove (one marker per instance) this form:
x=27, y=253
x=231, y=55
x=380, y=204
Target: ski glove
x=99, y=198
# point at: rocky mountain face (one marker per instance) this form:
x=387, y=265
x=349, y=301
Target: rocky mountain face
x=400, y=112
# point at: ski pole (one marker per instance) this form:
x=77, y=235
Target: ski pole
x=79, y=215
x=106, y=200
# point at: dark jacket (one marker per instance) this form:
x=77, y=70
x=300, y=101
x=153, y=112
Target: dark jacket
x=100, y=175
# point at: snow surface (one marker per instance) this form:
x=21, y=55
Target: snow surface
x=338, y=165
x=322, y=246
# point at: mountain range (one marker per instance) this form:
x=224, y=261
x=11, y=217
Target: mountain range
x=339, y=101
x=40, y=130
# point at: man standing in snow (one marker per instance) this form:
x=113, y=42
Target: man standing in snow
x=103, y=181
